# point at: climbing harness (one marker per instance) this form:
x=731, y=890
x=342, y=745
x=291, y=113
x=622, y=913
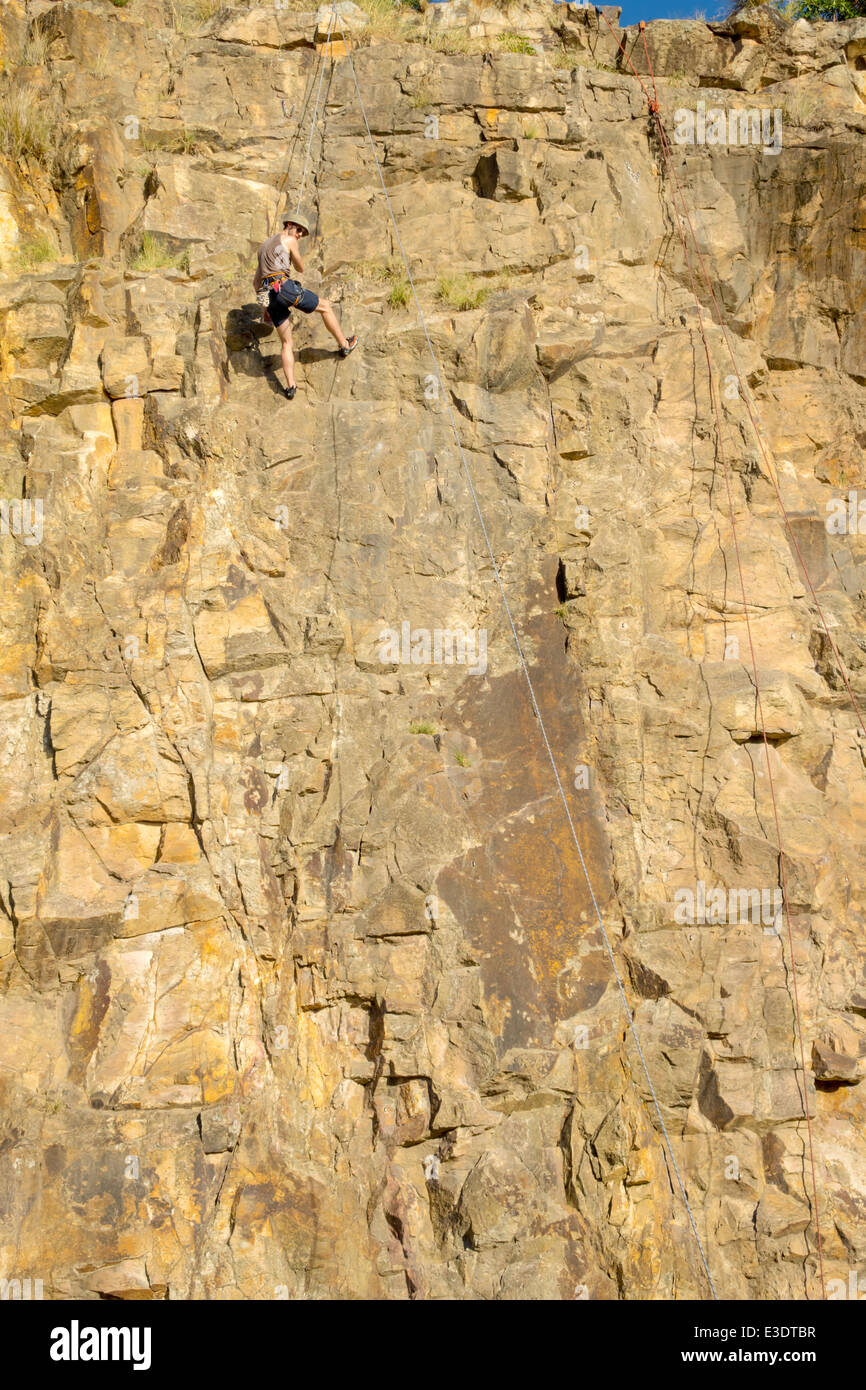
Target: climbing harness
x=275, y=283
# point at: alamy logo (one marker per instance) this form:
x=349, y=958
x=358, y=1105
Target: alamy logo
x=21, y=1289
x=443, y=646
x=838, y=1289
x=847, y=519
x=22, y=517
x=720, y=127
x=76, y=1343
x=736, y=906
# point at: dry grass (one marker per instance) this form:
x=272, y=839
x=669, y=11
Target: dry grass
x=377, y=272
x=390, y=274
x=462, y=291
x=170, y=142
x=206, y=9
x=385, y=20
x=515, y=43
x=101, y=66
x=465, y=291
x=27, y=124
x=188, y=16
x=399, y=294
x=30, y=254
x=800, y=108
x=153, y=255
x=34, y=54
x=454, y=41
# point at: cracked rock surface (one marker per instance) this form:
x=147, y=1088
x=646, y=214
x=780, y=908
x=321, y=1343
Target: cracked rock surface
x=303, y=989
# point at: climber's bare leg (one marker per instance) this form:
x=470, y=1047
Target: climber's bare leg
x=286, y=351
x=329, y=319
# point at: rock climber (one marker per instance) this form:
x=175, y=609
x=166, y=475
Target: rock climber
x=273, y=286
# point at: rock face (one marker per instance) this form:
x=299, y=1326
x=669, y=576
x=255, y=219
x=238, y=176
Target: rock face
x=304, y=991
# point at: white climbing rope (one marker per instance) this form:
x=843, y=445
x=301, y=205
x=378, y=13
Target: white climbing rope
x=446, y=401
x=315, y=119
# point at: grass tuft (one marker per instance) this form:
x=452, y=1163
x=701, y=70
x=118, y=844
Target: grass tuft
x=35, y=51
x=421, y=98
x=153, y=255
x=26, y=125
x=384, y=20
x=187, y=16
x=455, y=41
x=421, y=726
x=800, y=108
x=461, y=291
x=399, y=294
x=516, y=43
x=33, y=253
x=390, y=273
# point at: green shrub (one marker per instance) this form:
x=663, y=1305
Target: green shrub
x=421, y=726
x=838, y=10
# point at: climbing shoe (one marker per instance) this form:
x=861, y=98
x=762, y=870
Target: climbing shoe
x=350, y=346
x=289, y=392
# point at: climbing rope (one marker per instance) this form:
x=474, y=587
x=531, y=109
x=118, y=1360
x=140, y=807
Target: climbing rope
x=314, y=121
x=756, y=427
x=666, y=152
x=444, y=396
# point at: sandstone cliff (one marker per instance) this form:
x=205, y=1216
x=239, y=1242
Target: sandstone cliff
x=303, y=990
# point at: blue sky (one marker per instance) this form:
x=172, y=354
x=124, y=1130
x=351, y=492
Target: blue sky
x=633, y=10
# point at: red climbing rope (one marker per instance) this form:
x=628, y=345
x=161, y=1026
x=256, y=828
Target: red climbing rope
x=665, y=147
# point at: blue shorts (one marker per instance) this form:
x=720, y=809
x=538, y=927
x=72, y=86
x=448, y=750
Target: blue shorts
x=292, y=295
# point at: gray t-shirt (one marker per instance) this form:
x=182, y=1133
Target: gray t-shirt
x=274, y=259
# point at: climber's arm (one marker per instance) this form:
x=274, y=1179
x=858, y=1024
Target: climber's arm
x=294, y=252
